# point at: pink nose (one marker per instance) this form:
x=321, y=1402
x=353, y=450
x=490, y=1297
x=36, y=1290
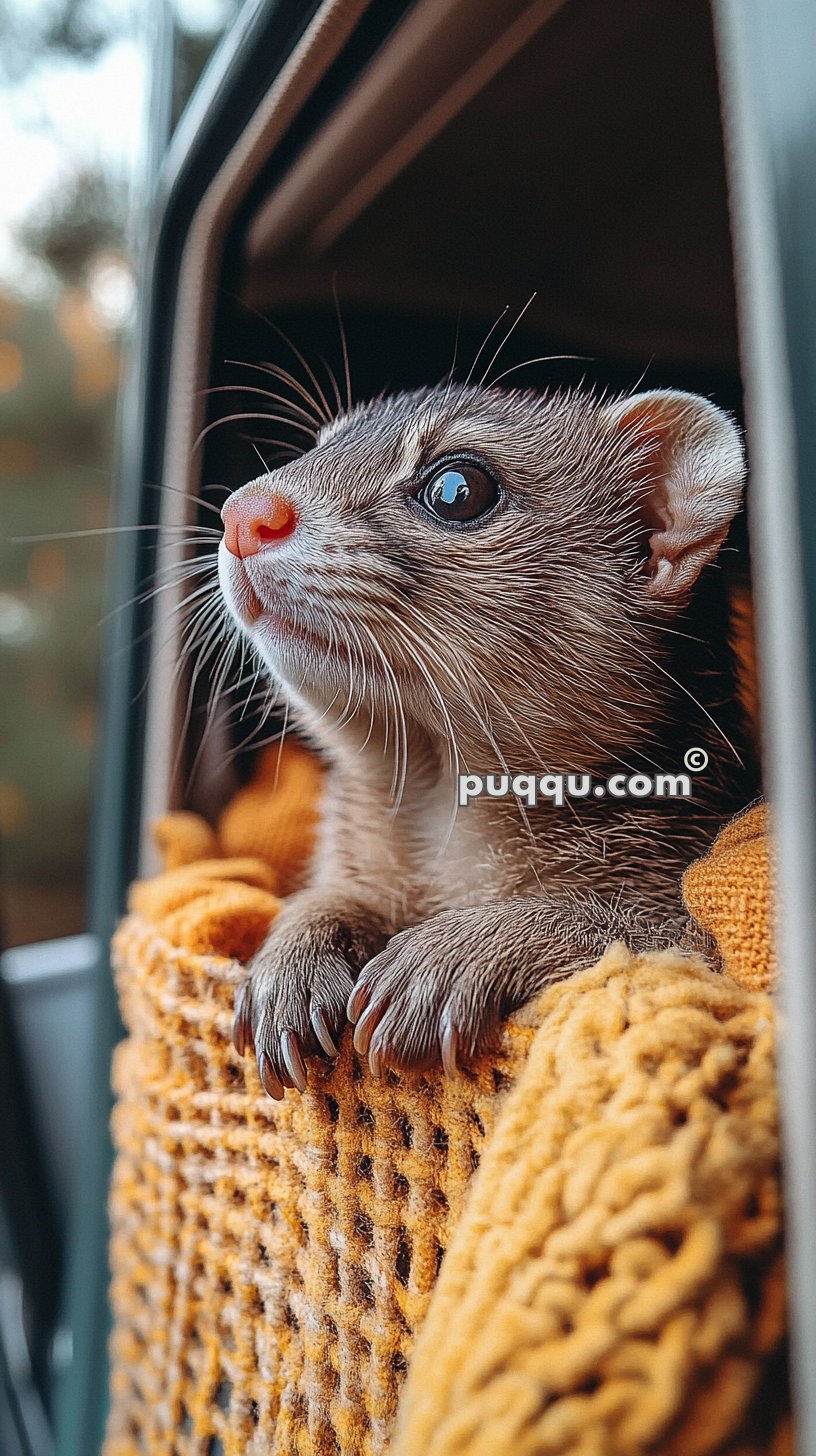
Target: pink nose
x=252, y=521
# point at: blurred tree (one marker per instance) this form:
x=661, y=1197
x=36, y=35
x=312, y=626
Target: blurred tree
x=59, y=361
x=72, y=225
x=56, y=432
x=74, y=28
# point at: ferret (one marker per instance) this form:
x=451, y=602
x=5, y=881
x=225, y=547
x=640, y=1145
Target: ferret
x=465, y=579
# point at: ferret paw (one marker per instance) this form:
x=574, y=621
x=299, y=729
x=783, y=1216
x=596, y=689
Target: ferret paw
x=288, y=1011
x=423, y=1001
x=292, y=1004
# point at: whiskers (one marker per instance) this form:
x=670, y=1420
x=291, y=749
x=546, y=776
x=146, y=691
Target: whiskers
x=209, y=651
x=308, y=403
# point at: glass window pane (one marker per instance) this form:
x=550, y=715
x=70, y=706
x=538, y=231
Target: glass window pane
x=67, y=300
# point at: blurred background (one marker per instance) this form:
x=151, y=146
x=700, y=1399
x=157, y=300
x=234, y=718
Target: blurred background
x=78, y=146
x=74, y=102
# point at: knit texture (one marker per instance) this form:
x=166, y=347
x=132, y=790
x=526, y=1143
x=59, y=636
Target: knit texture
x=272, y=819
x=610, y=1279
x=729, y=893
x=615, y=1284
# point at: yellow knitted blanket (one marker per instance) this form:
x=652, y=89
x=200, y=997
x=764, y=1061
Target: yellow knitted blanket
x=574, y=1247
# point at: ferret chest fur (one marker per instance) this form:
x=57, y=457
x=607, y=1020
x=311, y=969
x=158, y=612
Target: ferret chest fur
x=431, y=854
x=413, y=859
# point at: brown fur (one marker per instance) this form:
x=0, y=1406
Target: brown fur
x=559, y=635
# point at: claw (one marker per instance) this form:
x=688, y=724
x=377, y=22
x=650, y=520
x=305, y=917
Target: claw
x=292, y=1059
x=320, y=1027
x=364, y=1030
x=449, y=1043
x=376, y=1061
x=357, y=1002
x=241, y=1031
x=272, y=1084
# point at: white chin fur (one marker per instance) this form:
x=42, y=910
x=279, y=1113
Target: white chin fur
x=292, y=661
x=236, y=589
x=310, y=676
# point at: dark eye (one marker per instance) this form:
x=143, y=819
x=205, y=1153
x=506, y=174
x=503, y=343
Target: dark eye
x=459, y=493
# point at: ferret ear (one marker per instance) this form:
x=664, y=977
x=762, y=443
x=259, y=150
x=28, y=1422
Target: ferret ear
x=688, y=457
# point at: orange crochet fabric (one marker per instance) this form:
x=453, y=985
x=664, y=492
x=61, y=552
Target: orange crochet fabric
x=615, y=1284
x=271, y=1261
x=610, y=1279
x=222, y=887
x=273, y=819
x=729, y=893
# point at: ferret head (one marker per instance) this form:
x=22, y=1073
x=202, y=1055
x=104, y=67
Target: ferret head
x=497, y=571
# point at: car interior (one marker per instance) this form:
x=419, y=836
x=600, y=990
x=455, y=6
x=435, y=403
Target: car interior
x=539, y=194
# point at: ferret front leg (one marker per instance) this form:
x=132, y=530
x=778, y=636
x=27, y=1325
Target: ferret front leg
x=440, y=989
x=293, y=1001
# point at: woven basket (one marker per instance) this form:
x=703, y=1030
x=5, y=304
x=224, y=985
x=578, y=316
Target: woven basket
x=613, y=1287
